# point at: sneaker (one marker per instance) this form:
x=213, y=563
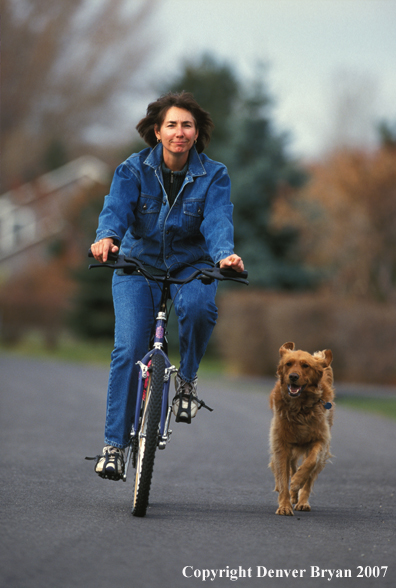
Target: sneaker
x=185, y=403
x=111, y=464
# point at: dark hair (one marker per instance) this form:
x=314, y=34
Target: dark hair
x=156, y=112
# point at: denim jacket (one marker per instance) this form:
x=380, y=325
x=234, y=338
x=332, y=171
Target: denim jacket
x=136, y=212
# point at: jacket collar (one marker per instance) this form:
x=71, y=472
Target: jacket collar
x=195, y=165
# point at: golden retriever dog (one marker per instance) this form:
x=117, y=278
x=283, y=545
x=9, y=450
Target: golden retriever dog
x=302, y=403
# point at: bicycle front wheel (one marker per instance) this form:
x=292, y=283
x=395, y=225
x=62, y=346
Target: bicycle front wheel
x=148, y=436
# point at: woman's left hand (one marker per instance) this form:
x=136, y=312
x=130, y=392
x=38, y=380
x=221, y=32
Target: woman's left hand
x=234, y=262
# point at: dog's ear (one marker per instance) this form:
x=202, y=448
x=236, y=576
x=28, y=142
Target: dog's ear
x=328, y=356
x=289, y=346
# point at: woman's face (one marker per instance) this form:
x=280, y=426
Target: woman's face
x=178, y=132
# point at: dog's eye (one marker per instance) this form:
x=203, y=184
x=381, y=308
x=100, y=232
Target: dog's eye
x=304, y=365
x=289, y=363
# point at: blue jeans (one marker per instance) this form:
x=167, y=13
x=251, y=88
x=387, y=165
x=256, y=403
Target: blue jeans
x=136, y=304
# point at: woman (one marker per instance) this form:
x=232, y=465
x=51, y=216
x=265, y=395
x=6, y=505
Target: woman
x=169, y=206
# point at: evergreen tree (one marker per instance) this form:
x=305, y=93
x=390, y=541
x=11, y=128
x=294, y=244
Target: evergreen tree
x=93, y=315
x=260, y=167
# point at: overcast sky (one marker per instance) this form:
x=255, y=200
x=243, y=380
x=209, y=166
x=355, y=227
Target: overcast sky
x=317, y=51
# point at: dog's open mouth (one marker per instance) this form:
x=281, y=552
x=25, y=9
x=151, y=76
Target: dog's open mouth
x=294, y=391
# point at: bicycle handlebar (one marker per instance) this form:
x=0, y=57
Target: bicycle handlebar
x=206, y=275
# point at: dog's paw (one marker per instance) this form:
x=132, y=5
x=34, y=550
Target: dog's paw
x=303, y=506
x=293, y=497
x=285, y=510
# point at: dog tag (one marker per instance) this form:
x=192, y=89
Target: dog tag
x=328, y=405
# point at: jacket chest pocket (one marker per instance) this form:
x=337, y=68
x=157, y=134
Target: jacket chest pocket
x=147, y=213
x=193, y=214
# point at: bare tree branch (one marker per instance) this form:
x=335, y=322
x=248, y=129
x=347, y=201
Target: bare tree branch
x=64, y=67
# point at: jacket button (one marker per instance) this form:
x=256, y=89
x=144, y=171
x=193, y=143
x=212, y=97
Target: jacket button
x=144, y=206
x=199, y=211
x=164, y=201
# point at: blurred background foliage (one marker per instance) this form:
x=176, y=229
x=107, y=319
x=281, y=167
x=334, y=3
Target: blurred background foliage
x=322, y=234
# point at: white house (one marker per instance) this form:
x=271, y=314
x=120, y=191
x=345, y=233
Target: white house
x=33, y=213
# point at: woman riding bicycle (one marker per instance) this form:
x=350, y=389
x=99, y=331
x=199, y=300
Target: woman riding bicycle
x=169, y=206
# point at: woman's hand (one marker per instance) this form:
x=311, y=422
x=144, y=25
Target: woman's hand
x=100, y=249
x=233, y=262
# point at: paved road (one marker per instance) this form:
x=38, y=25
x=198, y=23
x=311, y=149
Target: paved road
x=212, y=504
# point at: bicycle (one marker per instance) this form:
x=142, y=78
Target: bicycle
x=150, y=429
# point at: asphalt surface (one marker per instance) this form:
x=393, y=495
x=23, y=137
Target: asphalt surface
x=212, y=505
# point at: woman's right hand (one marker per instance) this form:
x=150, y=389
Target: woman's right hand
x=100, y=249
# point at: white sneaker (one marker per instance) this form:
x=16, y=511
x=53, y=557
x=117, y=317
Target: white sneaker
x=185, y=403
x=111, y=464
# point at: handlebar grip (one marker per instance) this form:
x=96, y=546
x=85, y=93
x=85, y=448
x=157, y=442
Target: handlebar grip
x=110, y=256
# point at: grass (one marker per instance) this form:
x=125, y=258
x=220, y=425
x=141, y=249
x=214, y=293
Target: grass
x=67, y=349
x=97, y=353
x=382, y=406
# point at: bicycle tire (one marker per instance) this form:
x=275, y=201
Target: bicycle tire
x=148, y=436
